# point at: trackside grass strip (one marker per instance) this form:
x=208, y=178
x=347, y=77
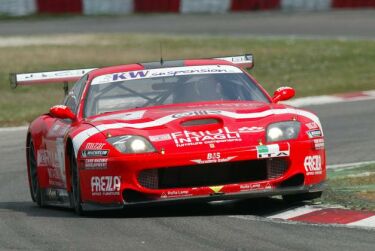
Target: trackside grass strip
x=313, y=67
x=352, y=187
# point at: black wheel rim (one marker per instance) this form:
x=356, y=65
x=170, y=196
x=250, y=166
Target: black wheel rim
x=33, y=171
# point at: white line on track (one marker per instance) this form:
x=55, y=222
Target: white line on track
x=331, y=99
x=347, y=166
x=13, y=129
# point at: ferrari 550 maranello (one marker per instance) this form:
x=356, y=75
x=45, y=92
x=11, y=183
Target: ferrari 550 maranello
x=170, y=131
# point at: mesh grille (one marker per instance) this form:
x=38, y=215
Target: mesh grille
x=149, y=178
x=276, y=167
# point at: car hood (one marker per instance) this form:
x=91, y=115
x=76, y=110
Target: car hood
x=228, y=124
x=196, y=126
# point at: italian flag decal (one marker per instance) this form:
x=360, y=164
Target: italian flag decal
x=273, y=151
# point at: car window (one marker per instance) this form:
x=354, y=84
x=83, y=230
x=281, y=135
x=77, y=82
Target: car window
x=72, y=99
x=167, y=88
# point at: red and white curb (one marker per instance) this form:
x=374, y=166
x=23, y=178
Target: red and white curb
x=114, y=7
x=322, y=215
x=319, y=215
x=330, y=99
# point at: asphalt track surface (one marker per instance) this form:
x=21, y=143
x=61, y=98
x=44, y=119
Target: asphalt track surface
x=324, y=24
x=349, y=136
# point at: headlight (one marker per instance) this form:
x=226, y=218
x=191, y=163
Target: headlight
x=283, y=131
x=131, y=144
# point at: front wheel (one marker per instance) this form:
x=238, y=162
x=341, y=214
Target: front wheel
x=76, y=188
x=293, y=198
x=35, y=190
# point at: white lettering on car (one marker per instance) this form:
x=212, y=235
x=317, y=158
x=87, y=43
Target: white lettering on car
x=105, y=185
x=95, y=146
x=188, y=138
x=313, y=165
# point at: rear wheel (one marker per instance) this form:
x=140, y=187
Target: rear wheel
x=76, y=188
x=293, y=198
x=35, y=190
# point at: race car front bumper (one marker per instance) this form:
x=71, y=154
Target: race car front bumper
x=91, y=206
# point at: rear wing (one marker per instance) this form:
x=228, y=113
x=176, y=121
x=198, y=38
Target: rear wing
x=66, y=76
x=50, y=77
x=244, y=61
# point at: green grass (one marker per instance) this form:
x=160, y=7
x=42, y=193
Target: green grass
x=352, y=188
x=312, y=67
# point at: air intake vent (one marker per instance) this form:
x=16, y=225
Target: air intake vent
x=276, y=167
x=149, y=178
x=213, y=174
x=197, y=122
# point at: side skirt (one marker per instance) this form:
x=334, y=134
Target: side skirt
x=56, y=197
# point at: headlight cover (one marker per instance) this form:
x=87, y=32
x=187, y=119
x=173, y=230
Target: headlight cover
x=283, y=131
x=131, y=144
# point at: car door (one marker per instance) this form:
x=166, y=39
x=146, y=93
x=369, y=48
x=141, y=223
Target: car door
x=54, y=139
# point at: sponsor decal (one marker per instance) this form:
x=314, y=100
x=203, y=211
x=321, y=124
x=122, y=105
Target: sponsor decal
x=313, y=165
x=59, y=158
x=161, y=137
x=188, y=138
x=59, y=129
x=95, y=146
x=52, y=75
x=56, y=194
x=96, y=164
x=175, y=194
x=319, y=144
x=250, y=129
x=312, y=126
x=216, y=189
x=52, y=159
x=105, y=185
x=165, y=72
x=239, y=59
x=213, y=158
x=53, y=173
x=56, y=127
x=43, y=158
x=255, y=186
x=314, y=133
x=123, y=116
x=195, y=113
x=94, y=153
x=51, y=194
x=272, y=151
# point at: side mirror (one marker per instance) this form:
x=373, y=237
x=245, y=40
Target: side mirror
x=62, y=112
x=283, y=93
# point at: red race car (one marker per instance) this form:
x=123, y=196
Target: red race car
x=168, y=131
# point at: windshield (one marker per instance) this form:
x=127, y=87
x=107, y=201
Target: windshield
x=121, y=91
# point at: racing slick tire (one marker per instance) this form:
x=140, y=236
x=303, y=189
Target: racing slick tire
x=75, y=195
x=294, y=198
x=35, y=191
